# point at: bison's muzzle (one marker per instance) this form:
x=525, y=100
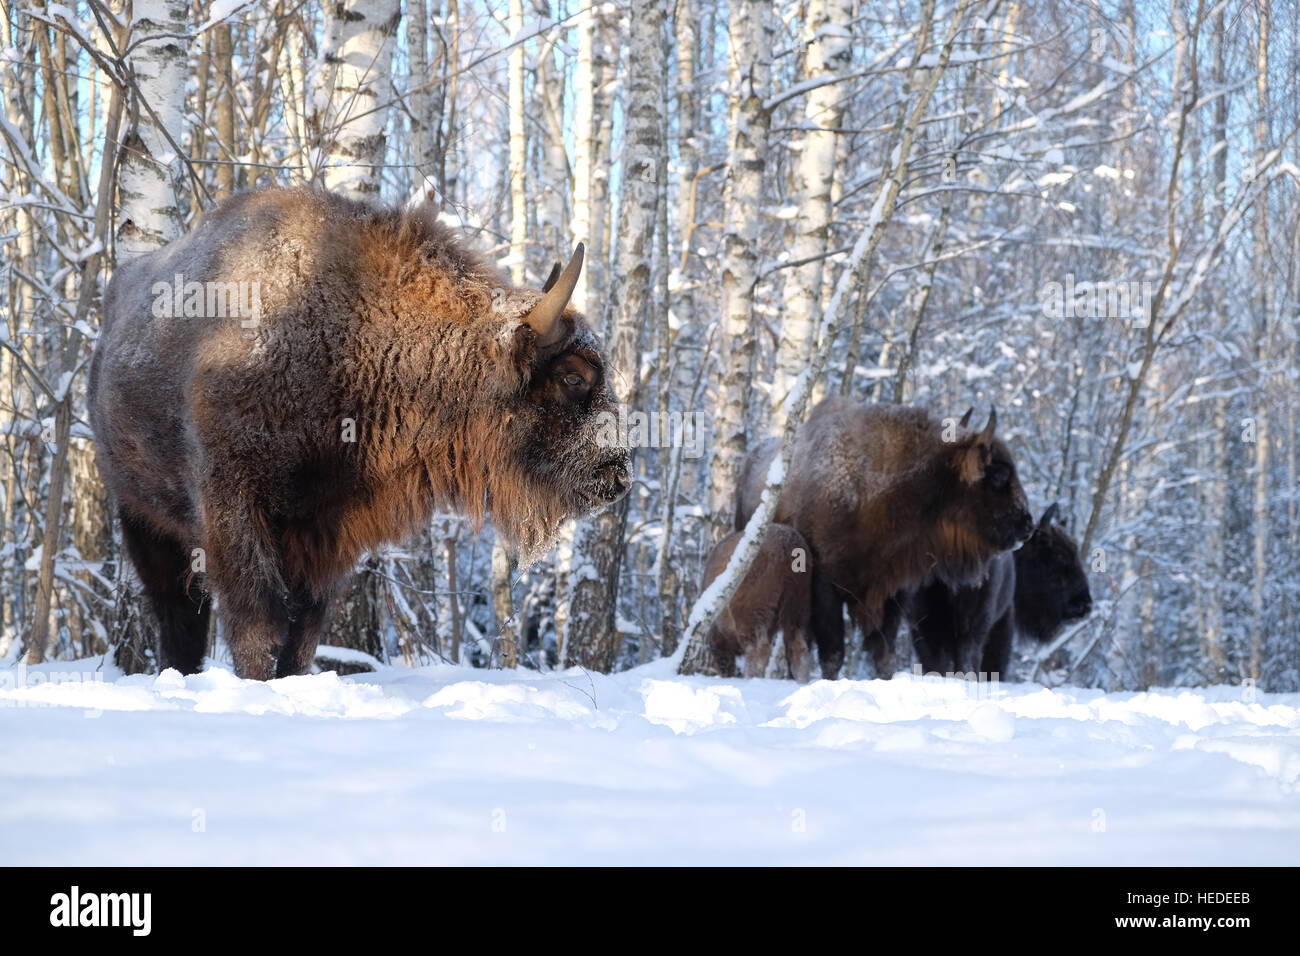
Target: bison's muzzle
x=612, y=480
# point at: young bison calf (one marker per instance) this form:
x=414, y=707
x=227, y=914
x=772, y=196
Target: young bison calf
x=774, y=596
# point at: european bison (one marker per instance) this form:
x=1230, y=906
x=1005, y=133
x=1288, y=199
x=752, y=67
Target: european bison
x=884, y=503
x=1051, y=587
x=386, y=367
x=774, y=596
x=1034, y=591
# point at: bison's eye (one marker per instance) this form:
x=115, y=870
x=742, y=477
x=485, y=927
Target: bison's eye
x=575, y=377
x=999, y=477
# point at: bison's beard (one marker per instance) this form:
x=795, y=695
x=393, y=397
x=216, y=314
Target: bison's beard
x=529, y=506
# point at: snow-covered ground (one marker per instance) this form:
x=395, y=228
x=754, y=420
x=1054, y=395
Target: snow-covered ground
x=454, y=765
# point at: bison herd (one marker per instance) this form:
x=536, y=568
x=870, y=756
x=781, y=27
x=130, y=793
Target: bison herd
x=389, y=366
x=889, y=515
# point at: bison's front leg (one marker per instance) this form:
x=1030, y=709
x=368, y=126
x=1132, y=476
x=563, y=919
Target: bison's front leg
x=997, y=649
x=879, y=640
x=828, y=625
x=245, y=571
x=175, y=590
x=967, y=651
x=306, y=622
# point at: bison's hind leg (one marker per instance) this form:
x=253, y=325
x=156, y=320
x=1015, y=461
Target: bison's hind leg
x=798, y=655
x=758, y=651
x=174, y=592
x=722, y=651
x=828, y=626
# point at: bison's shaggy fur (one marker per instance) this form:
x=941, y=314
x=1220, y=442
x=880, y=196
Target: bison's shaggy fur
x=885, y=503
x=774, y=596
x=391, y=367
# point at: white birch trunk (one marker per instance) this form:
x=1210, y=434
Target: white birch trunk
x=518, y=150
x=1263, y=315
x=584, y=147
x=293, y=92
x=149, y=216
x=749, y=70
x=420, y=94
x=592, y=639
x=358, y=55
x=551, y=227
x=829, y=53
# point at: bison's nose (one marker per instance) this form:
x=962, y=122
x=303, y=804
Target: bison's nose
x=622, y=482
x=614, y=483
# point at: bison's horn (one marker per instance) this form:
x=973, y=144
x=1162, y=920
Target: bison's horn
x=544, y=319
x=1048, y=515
x=965, y=419
x=550, y=279
x=987, y=433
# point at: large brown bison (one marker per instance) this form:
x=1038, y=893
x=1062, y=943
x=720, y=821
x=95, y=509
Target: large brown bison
x=885, y=503
x=386, y=367
x=773, y=596
x=1035, y=591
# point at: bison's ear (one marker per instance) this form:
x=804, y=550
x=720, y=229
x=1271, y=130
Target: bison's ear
x=970, y=458
x=1048, y=515
x=550, y=280
x=975, y=452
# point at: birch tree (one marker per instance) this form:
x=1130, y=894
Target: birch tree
x=749, y=54
x=592, y=639
x=149, y=215
x=827, y=57
x=357, y=55
x=351, y=122
x=518, y=148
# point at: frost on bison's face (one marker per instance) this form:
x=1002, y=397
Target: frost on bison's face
x=560, y=457
x=563, y=444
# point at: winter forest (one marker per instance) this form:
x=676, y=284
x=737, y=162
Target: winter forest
x=1082, y=213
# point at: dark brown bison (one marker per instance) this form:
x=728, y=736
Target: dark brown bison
x=1051, y=588
x=1034, y=591
x=774, y=596
x=885, y=503
x=385, y=366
